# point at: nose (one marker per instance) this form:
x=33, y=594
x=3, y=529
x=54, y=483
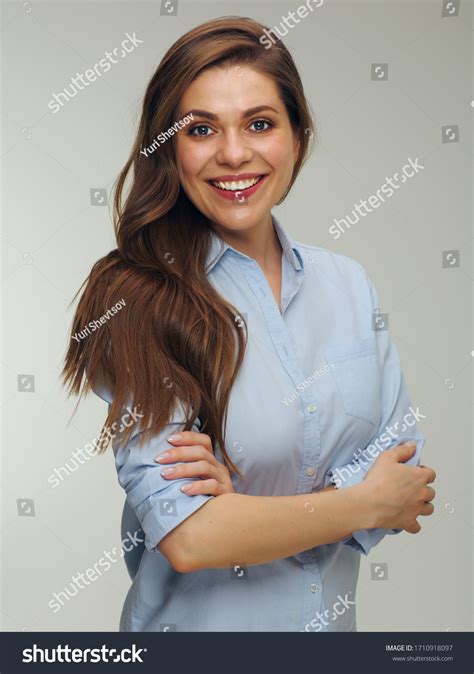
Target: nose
x=233, y=149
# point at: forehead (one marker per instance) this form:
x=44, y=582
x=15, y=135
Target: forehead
x=230, y=88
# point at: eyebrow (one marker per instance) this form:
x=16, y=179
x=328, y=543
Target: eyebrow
x=247, y=113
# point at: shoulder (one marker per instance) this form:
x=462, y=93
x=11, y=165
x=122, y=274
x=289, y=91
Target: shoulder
x=113, y=279
x=334, y=272
x=109, y=268
x=331, y=263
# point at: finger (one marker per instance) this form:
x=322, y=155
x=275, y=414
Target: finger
x=402, y=452
x=192, y=438
x=427, y=509
x=413, y=528
x=193, y=453
x=211, y=487
x=426, y=473
x=430, y=494
x=430, y=473
x=194, y=469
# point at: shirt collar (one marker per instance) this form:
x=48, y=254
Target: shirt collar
x=290, y=248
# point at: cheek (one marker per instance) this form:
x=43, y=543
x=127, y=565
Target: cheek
x=191, y=158
x=279, y=156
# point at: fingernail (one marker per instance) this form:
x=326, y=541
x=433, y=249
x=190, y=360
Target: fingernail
x=175, y=437
x=186, y=487
x=167, y=471
x=162, y=457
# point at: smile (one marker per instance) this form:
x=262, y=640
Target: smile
x=237, y=190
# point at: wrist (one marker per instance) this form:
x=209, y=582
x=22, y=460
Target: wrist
x=366, y=515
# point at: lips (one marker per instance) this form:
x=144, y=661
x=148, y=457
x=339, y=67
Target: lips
x=237, y=187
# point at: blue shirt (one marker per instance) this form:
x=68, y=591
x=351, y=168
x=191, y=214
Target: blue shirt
x=319, y=395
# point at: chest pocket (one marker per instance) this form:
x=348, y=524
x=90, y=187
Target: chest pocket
x=355, y=369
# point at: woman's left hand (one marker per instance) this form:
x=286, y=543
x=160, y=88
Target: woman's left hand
x=196, y=451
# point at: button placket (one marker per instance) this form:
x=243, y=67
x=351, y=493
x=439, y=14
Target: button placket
x=274, y=319
x=313, y=599
x=285, y=348
x=309, y=467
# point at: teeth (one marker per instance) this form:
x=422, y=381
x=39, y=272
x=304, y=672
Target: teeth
x=236, y=185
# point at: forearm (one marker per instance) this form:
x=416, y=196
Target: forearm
x=237, y=528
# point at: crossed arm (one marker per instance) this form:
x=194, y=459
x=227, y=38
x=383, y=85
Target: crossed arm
x=232, y=527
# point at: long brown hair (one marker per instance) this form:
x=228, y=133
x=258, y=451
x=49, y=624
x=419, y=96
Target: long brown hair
x=176, y=339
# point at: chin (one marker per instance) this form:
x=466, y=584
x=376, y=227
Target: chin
x=237, y=221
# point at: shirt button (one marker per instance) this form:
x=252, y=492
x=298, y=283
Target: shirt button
x=310, y=472
x=313, y=587
x=311, y=408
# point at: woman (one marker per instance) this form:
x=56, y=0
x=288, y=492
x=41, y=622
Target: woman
x=261, y=349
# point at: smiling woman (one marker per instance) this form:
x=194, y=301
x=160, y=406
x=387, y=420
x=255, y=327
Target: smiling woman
x=239, y=132
x=225, y=316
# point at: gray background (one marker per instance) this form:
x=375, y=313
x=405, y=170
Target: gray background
x=52, y=235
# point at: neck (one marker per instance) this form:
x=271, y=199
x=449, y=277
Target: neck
x=259, y=242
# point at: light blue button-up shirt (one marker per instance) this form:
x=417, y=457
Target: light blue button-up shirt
x=319, y=395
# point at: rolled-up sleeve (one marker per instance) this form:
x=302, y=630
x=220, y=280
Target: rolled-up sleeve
x=158, y=503
x=398, y=424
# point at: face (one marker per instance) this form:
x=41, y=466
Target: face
x=236, y=157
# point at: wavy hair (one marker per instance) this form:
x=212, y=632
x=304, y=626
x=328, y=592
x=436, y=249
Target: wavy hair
x=176, y=340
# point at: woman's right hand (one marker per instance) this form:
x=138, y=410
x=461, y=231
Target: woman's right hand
x=399, y=493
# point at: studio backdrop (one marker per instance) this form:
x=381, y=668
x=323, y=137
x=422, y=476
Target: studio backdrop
x=390, y=86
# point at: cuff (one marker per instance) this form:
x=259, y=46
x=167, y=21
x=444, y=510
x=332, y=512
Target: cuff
x=160, y=515
x=361, y=540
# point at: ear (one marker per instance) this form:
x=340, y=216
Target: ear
x=297, y=145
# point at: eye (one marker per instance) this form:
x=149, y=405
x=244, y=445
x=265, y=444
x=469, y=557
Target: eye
x=199, y=128
x=260, y=122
